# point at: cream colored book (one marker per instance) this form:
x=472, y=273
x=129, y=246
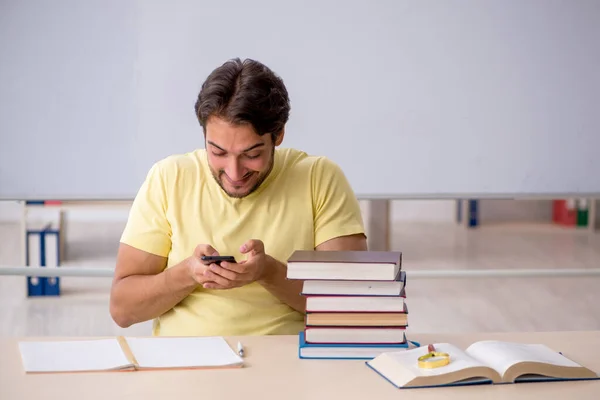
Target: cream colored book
x=127, y=354
x=492, y=362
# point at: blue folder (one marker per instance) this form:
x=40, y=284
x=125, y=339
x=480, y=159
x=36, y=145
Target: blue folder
x=43, y=286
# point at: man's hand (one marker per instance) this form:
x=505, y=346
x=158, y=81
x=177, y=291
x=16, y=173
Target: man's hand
x=230, y=275
x=198, y=268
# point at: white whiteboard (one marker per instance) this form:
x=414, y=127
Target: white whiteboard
x=412, y=98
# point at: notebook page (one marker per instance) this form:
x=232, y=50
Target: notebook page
x=67, y=356
x=458, y=360
x=183, y=352
x=502, y=355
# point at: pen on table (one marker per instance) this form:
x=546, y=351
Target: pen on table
x=240, y=349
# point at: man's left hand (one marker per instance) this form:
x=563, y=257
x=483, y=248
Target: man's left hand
x=231, y=275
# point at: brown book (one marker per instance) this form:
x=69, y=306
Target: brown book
x=346, y=256
x=344, y=265
x=357, y=319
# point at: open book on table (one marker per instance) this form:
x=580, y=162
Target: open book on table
x=482, y=362
x=127, y=354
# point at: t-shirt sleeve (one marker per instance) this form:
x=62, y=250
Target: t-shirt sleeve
x=335, y=206
x=147, y=227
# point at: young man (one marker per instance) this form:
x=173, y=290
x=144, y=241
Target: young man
x=241, y=196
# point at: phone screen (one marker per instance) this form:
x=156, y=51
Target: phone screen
x=217, y=259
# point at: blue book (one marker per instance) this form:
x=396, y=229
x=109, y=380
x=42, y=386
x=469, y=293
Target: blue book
x=484, y=362
x=359, y=351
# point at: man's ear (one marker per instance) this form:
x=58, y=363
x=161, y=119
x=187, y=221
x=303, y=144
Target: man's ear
x=279, y=137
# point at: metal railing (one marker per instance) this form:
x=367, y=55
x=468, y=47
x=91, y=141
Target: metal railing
x=108, y=272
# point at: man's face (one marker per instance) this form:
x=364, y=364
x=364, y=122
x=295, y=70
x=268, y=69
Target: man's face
x=239, y=159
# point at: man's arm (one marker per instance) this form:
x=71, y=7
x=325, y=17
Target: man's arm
x=288, y=290
x=356, y=242
x=142, y=289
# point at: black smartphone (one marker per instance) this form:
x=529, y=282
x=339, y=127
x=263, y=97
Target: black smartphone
x=217, y=259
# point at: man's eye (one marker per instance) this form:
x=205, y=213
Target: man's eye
x=218, y=154
x=253, y=156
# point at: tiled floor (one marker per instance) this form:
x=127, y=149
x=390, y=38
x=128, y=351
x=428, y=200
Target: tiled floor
x=435, y=305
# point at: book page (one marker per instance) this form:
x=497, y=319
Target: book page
x=502, y=355
x=183, y=352
x=459, y=360
x=70, y=356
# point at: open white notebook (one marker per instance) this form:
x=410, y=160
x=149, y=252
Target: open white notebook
x=483, y=362
x=120, y=353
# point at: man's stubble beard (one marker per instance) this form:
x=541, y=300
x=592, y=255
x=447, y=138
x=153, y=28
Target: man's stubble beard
x=217, y=177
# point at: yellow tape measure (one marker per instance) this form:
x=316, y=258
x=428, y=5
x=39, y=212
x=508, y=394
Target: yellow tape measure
x=433, y=359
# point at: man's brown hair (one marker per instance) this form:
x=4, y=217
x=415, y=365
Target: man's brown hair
x=245, y=92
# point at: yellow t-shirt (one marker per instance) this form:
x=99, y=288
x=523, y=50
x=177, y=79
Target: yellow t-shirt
x=304, y=201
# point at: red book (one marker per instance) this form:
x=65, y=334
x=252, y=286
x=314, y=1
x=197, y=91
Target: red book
x=564, y=212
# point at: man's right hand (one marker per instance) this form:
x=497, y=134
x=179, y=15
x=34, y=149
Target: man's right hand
x=196, y=265
x=143, y=288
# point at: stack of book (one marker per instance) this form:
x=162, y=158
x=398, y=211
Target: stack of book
x=355, y=303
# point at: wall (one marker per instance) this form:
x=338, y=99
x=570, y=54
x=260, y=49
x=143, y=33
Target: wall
x=442, y=107
x=9, y=211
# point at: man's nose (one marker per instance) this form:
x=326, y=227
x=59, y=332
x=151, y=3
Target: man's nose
x=234, y=169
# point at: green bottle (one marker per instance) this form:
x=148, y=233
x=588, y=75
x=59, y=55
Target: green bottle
x=582, y=212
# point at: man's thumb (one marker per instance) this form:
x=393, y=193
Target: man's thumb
x=253, y=244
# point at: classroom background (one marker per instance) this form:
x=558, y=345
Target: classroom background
x=469, y=132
